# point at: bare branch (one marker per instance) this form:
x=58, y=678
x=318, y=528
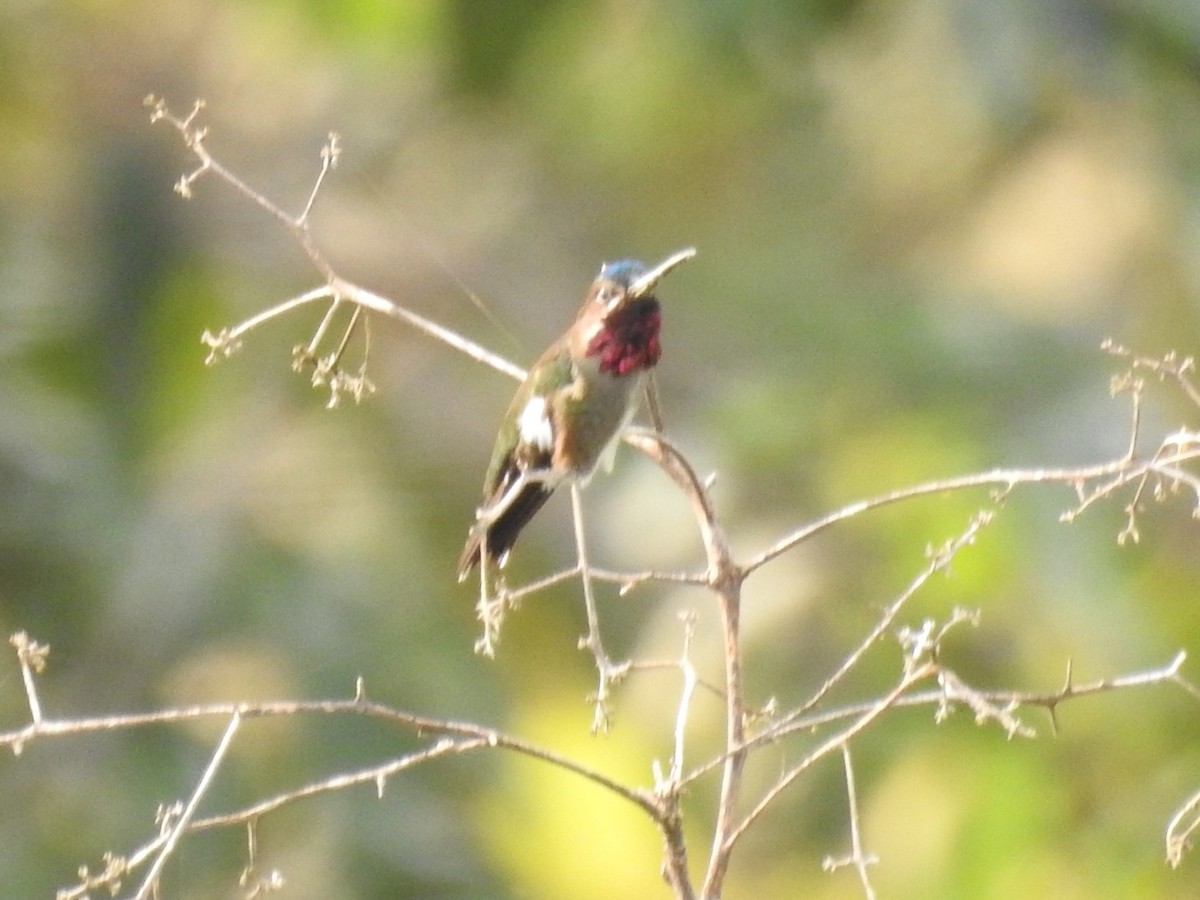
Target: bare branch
x=180, y=824
x=667, y=787
x=938, y=561
x=806, y=722
x=857, y=858
x=335, y=287
x=372, y=301
x=330, y=154
x=606, y=670
x=1003, y=479
x=1180, y=829
x=873, y=711
x=473, y=735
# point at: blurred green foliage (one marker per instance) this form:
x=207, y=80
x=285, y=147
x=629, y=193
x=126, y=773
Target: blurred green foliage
x=916, y=219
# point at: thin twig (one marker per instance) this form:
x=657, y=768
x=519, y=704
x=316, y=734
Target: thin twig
x=874, y=711
x=329, y=160
x=690, y=680
x=376, y=776
x=1180, y=828
x=938, y=562
x=857, y=858
x=667, y=786
x=32, y=658
x=1004, y=479
x=799, y=722
x=487, y=737
x=604, y=666
x=180, y=825
x=380, y=304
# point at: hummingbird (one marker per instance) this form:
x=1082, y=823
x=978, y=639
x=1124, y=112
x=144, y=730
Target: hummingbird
x=565, y=418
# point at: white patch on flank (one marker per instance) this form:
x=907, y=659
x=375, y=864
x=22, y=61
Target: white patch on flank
x=534, y=425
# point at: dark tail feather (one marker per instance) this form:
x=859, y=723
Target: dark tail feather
x=503, y=532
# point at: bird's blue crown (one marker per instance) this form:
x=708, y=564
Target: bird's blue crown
x=623, y=271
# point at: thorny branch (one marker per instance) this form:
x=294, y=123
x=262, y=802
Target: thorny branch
x=451, y=738
x=1163, y=471
x=943, y=700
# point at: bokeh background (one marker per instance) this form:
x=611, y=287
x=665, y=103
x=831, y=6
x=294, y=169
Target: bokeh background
x=917, y=220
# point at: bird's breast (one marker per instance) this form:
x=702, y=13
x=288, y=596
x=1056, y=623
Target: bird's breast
x=599, y=407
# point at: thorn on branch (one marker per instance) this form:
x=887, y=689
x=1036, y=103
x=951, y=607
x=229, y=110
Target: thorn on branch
x=1069, y=684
